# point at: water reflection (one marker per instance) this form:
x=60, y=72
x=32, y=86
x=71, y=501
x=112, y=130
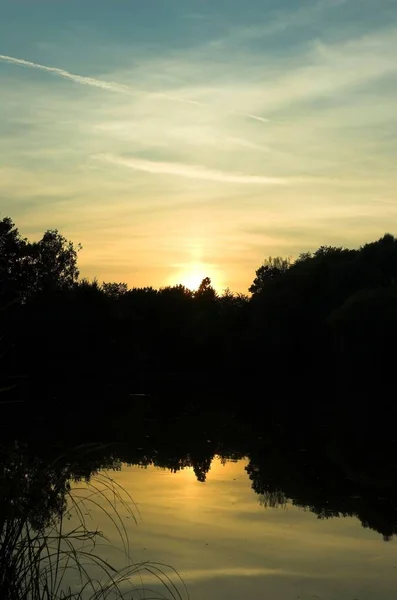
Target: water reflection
x=332, y=470
x=240, y=506
x=227, y=545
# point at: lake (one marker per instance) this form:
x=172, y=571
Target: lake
x=225, y=541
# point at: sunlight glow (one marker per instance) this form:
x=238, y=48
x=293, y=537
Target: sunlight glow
x=191, y=275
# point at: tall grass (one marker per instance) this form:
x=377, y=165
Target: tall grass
x=48, y=551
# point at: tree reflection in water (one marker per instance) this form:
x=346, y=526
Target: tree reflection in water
x=331, y=465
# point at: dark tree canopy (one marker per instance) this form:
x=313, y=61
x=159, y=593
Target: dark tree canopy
x=205, y=290
x=30, y=268
x=271, y=269
x=13, y=259
x=53, y=262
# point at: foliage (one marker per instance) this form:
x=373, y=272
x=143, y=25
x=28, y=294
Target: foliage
x=114, y=290
x=13, y=276
x=30, y=268
x=271, y=269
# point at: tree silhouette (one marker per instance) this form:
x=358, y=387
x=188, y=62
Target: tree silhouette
x=271, y=269
x=114, y=290
x=205, y=290
x=53, y=262
x=13, y=255
x=31, y=268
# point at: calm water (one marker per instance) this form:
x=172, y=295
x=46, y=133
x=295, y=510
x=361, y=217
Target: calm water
x=227, y=542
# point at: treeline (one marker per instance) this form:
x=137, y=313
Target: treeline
x=326, y=322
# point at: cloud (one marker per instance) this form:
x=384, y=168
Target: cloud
x=189, y=171
x=285, y=19
x=271, y=83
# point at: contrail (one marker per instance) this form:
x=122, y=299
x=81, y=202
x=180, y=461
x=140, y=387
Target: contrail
x=100, y=83
x=112, y=86
x=255, y=117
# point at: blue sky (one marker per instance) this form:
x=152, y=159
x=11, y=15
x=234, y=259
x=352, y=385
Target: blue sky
x=178, y=139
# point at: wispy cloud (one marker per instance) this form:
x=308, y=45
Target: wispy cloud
x=189, y=171
x=284, y=20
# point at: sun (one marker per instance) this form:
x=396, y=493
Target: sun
x=192, y=275
x=192, y=279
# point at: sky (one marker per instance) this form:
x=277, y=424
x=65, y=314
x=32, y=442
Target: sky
x=178, y=139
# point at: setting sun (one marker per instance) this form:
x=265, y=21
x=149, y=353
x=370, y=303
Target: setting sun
x=192, y=275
